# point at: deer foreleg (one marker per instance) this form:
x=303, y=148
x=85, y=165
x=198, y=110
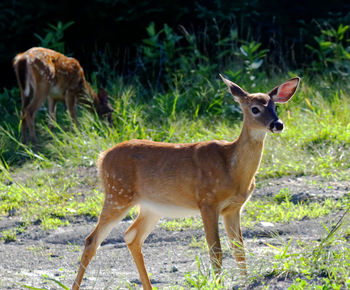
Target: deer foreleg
x=232, y=220
x=210, y=219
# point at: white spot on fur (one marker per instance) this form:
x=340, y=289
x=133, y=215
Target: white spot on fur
x=106, y=230
x=130, y=236
x=118, y=207
x=119, y=179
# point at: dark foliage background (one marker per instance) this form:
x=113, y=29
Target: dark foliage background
x=284, y=27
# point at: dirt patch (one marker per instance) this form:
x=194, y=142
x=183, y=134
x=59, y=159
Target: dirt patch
x=169, y=255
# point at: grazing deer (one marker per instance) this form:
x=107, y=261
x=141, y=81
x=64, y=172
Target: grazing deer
x=44, y=73
x=210, y=178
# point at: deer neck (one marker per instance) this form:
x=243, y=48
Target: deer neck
x=90, y=92
x=88, y=97
x=246, y=154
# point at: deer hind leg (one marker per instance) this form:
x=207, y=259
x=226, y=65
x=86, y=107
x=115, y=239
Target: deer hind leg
x=29, y=112
x=25, y=90
x=71, y=106
x=52, y=111
x=25, y=102
x=24, y=126
x=135, y=235
x=210, y=219
x=232, y=221
x=110, y=216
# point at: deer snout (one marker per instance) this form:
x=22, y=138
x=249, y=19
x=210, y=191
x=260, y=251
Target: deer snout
x=276, y=126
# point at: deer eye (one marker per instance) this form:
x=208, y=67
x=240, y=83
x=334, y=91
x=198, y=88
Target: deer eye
x=255, y=110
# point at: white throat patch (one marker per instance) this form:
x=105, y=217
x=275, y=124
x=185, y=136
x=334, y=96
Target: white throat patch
x=258, y=134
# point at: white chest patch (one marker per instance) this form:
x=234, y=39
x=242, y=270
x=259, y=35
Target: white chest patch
x=168, y=210
x=233, y=160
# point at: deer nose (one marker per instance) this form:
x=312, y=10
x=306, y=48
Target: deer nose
x=276, y=126
x=279, y=125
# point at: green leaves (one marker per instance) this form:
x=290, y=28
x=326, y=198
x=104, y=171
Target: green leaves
x=253, y=55
x=54, y=36
x=332, y=52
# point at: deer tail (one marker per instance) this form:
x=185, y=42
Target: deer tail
x=21, y=69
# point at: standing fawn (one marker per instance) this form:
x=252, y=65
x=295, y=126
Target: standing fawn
x=43, y=73
x=176, y=180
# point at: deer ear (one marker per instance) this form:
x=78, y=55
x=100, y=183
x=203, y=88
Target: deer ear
x=102, y=95
x=284, y=92
x=236, y=91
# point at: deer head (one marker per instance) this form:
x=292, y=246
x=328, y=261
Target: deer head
x=260, y=108
x=102, y=106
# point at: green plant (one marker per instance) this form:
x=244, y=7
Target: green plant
x=332, y=52
x=9, y=235
x=105, y=63
x=228, y=44
x=284, y=210
x=204, y=278
x=47, y=279
x=198, y=243
x=9, y=104
x=283, y=195
x=253, y=56
x=159, y=53
x=180, y=224
x=319, y=265
x=54, y=36
x=49, y=223
x=307, y=263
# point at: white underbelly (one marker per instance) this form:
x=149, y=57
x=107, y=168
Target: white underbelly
x=56, y=92
x=168, y=210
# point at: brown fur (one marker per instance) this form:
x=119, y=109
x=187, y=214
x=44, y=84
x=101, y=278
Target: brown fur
x=212, y=178
x=43, y=73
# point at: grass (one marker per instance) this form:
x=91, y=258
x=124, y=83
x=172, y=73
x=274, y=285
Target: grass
x=204, y=278
x=303, y=264
x=322, y=265
x=47, y=199
x=287, y=211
